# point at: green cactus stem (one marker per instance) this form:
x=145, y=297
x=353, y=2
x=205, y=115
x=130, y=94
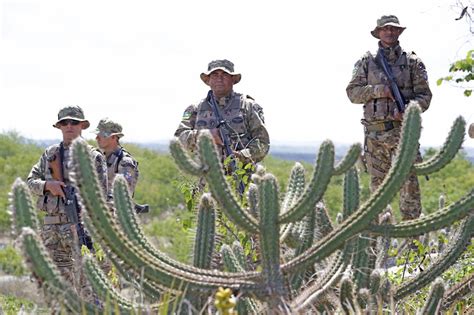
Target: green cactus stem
x=450, y=255
x=360, y=219
x=430, y=222
x=435, y=298
x=316, y=187
x=461, y=290
x=349, y=159
x=155, y=270
x=447, y=152
x=184, y=161
x=220, y=188
x=205, y=233
x=269, y=235
x=22, y=206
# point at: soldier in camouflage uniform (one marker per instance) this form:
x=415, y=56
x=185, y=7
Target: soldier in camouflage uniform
x=119, y=160
x=57, y=232
x=382, y=120
x=243, y=117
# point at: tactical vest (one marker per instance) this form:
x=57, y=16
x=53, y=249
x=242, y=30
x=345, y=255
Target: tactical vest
x=233, y=113
x=382, y=109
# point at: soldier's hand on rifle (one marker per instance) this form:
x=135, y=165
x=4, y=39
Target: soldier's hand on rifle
x=397, y=115
x=55, y=187
x=216, y=136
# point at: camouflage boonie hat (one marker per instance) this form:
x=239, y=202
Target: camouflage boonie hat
x=108, y=128
x=74, y=113
x=224, y=65
x=386, y=20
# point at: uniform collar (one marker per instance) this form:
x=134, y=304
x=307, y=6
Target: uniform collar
x=392, y=53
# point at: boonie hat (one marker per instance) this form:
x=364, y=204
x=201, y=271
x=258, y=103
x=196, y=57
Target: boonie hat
x=224, y=65
x=74, y=113
x=386, y=20
x=108, y=128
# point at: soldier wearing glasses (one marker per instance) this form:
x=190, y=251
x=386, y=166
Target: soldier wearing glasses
x=48, y=179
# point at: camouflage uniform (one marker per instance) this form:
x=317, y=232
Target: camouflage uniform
x=471, y=130
x=57, y=231
x=382, y=129
x=243, y=115
x=120, y=161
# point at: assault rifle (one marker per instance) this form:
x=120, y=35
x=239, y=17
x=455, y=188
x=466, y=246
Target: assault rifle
x=224, y=134
x=391, y=79
x=70, y=201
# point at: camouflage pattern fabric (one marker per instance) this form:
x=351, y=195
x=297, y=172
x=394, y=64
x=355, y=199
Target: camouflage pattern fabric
x=379, y=152
x=367, y=87
x=245, y=117
x=59, y=239
x=368, y=83
x=126, y=165
x=471, y=130
x=108, y=128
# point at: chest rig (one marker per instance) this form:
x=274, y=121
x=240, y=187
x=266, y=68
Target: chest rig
x=382, y=109
x=233, y=112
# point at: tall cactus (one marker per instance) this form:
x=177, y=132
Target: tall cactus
x=279, y=283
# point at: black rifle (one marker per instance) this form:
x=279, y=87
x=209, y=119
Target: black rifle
x=223, y=132
x=142, y=208
x=391, y=79
x=72, y=209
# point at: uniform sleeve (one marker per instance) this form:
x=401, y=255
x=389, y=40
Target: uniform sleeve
x=259, y=144
x=186, y=132
x=36, y=179
x=101, y=169
x=421, y=89
x=358, y=90
x=129, y=169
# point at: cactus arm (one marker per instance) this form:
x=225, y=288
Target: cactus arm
x=351, y=192
x=347, y=296
x=206, y=226
x=239, y=254
x=447, y=152
x=294, y=190
x=461, y=290
x=306, y=242
x=316, y=187
x=184, y=161
x=22, y=206
x=360, y=219
x=447, y=259
x=348, y=160
x=219, y=187
x=46, y=271
x=435, y=297
x=269, y=234
x=127, y=251
x=133, y=231
x=430, y=222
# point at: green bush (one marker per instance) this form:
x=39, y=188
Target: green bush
x=11, y=261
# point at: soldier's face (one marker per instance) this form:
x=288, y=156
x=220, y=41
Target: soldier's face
x=389, y=35
x=106, y=143
x=221, y=83
x=71, y=129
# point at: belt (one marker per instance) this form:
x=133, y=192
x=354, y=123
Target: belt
x=383, y=126
x=57, y=219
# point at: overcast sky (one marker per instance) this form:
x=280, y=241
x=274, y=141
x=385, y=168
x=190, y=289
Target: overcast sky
x=138, y=62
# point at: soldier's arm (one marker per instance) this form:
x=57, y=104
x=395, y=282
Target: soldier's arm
x=36, y=179
x=129, y=169
x=421, y=87
x=259, y=145
x=186, y=132
x=358, y=90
